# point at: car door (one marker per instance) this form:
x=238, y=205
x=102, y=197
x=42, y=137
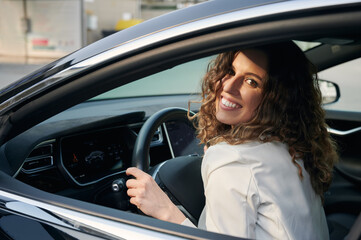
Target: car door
x=343, y=200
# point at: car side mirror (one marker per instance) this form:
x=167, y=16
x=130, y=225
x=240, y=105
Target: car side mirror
x=329, y=90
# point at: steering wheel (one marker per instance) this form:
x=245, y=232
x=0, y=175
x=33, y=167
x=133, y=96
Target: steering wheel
x=180, y=178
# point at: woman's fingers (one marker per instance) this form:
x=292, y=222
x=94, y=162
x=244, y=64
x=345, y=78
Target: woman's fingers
x=133, y=201
x=145, y=193
x=132, y=192
x=137, y=173
x=142, y=180
x=131, y=183
x=140, y=189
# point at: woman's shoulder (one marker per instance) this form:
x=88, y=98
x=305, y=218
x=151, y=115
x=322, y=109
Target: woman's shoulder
x=255, y=147
x=248, y=154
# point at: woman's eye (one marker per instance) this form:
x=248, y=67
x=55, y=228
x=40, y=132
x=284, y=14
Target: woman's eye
x=252, y=82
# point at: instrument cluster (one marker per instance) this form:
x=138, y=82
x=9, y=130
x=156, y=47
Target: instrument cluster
x=92, y=156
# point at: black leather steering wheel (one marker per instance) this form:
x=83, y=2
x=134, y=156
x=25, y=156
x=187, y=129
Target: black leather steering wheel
x=180, y=177
x=140, y=157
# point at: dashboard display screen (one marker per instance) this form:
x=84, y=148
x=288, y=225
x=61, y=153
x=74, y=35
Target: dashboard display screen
x=92, y=156
x=182, y=139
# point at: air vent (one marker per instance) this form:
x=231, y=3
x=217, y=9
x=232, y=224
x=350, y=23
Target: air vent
x=41, y=158
x=42, y=151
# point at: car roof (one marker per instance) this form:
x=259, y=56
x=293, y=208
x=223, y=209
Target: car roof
x=163, y=22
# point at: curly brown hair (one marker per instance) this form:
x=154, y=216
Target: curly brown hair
x=290, y=111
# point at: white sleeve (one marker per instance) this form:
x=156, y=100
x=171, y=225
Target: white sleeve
x=188, y=223
x=231, y=197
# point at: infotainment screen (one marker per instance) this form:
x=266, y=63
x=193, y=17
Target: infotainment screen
x=182, y=139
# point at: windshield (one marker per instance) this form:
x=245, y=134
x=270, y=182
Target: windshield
x=182, y=79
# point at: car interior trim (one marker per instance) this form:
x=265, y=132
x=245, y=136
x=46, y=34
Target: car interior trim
x=168, y=140
x=344, y=115
x=343, y=133
x=40, y=159
x=38, y=169
x=162, y=36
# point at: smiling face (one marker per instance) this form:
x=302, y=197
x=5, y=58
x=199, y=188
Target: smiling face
x=241, y=90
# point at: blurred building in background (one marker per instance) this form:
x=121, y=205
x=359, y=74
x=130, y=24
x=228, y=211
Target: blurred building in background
x=44, y=30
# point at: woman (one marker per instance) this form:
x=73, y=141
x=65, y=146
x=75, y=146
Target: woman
x=270, y=157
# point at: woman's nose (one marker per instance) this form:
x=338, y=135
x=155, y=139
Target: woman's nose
x=232, y=85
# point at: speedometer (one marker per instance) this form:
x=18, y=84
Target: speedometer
x=95, y=158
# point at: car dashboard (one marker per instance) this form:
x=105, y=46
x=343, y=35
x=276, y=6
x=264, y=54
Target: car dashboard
x=81, y=150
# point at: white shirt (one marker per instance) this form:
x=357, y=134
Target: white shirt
x=253, y=190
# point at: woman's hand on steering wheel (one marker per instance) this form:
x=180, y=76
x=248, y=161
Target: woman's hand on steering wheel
x=145, y=193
